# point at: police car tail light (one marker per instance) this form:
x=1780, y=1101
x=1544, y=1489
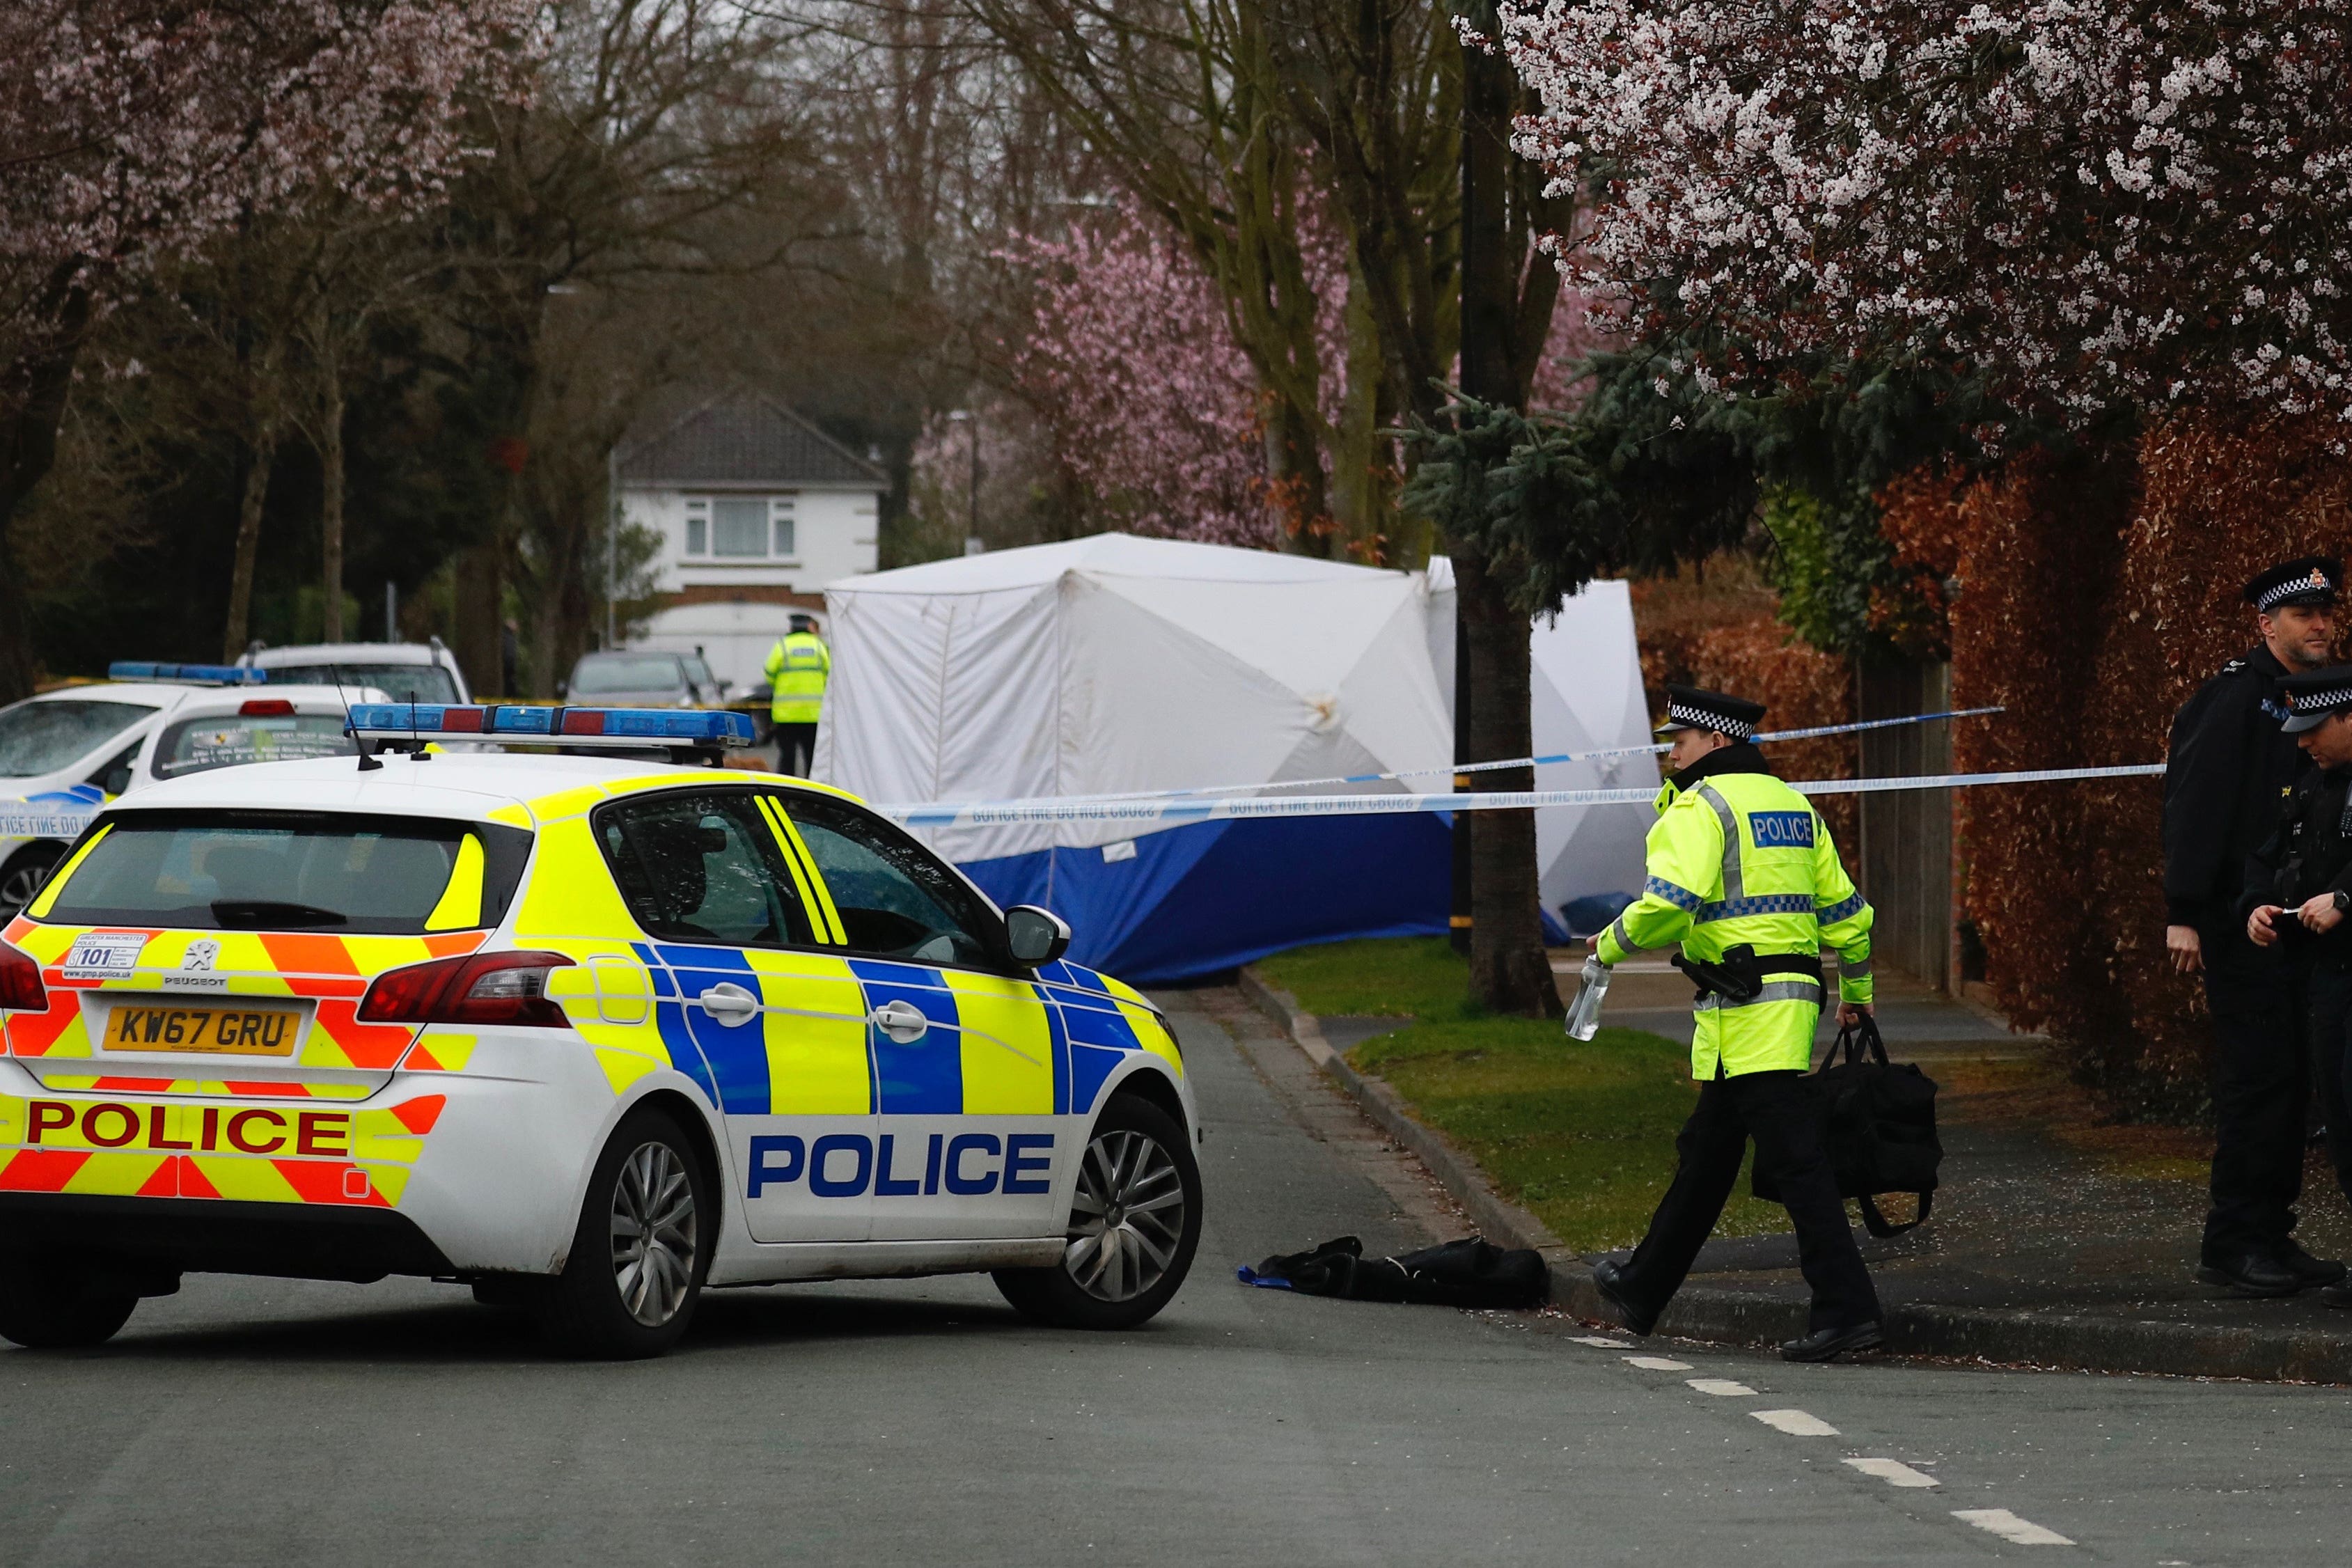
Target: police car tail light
x=20, y=983
x=486, y=988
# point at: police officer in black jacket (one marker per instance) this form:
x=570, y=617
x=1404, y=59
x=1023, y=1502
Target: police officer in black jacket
x=2228, y=768
x=2299, y=891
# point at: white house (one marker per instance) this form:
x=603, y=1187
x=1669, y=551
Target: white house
x=759, y=511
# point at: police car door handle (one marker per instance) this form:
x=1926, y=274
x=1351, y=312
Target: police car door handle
x=902, y=1021
x=728, y=1003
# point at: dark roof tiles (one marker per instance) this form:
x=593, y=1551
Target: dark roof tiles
x=740, y=439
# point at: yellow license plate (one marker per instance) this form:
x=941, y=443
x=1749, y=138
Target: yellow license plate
x=238, y=1031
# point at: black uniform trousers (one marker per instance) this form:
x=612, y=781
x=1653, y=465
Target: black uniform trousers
x=796, y=749
x=1781, y=1111
x=2262, y=1081
x=2328, y=995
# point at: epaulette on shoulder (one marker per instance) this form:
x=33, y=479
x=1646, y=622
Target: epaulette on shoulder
x=2236, y=667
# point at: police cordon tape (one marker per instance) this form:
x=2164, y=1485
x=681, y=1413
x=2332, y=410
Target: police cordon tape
x=1593, y=756
x=1171, y=812
x=1168, y=813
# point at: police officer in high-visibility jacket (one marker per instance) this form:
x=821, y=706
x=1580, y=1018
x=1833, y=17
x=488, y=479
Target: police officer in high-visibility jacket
x=1742, y=873
x=798, y=668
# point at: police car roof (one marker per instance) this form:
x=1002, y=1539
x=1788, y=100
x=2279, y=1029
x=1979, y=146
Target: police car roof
x=229, y=699
x=465, y=786
x=153, y=693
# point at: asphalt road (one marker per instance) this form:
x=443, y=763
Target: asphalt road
x=247, y=1421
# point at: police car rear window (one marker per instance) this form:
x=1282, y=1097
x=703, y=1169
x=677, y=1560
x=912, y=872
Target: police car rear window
x=229, y=740
x=401, y=682
x=258, y=871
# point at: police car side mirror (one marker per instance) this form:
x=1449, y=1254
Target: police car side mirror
x=1036, y=936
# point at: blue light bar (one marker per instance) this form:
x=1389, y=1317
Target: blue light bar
x=206, y=674
x=568, y=726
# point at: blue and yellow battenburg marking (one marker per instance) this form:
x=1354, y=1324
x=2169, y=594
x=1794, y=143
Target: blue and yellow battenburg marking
x=1022, y=1048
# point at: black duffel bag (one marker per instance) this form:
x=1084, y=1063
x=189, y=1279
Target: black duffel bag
x=1878, y=1127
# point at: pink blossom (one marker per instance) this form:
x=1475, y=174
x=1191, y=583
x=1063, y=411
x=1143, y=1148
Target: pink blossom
x=2093, y=201
x=1149, y=402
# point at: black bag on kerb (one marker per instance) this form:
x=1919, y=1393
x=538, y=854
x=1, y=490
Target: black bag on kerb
x=1878, y=1127
x=1471, y=1272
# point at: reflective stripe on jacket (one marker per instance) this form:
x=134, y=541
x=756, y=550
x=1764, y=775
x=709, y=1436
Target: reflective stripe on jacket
x=798, y=667
x=1736, y=856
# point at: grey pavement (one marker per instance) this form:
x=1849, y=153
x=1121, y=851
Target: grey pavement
x=265, y=1421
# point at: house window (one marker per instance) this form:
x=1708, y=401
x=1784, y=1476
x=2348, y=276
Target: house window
x=697, y=528
x=783, y=529
x=739, y=527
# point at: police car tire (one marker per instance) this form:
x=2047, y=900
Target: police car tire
x=581, y=1310
x=1050, y=1295
x=47, y=1307
x=25, y=872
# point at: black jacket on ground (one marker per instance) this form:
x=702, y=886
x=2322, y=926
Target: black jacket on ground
x=2226, y=771
x=2309, y=852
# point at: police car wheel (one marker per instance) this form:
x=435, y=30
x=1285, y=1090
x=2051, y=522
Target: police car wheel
x=46, y=1305
x=628, y=1288
x=22, y=877
x=1135, y=1222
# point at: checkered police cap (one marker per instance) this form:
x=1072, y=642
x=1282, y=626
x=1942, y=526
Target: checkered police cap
x=1691, y=708
x=2307, y=580
x=2312, y=697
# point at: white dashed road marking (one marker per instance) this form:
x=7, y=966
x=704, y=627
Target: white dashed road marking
x=1795, y=1423
x=1998, y=1521
x=1721, y=1385
x=2009, y=1527
x=1894, y=1472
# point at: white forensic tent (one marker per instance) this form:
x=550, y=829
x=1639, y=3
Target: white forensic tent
x=1586, y=695
x=1116, y=663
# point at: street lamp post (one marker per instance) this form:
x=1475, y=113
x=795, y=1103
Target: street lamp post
x=972, y=543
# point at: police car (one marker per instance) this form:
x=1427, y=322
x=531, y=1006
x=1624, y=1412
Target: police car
x=588, y=1032
x=65, y=753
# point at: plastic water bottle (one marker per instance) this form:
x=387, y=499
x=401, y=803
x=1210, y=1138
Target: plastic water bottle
x=1584, y=1016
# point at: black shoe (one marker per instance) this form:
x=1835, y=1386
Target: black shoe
x=2251, y=1273
x=1828, y=1344
x=2306, y=1268
x=2336, y=1296
x=1608, y=1278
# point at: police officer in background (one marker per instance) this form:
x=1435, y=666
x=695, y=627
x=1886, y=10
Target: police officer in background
x=798, y=668
x=2229, y=766
x=2298, y=892
x=1741, y=873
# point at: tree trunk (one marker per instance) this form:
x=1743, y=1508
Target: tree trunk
x=1362, y=480
x=234, y=635
x=28, y=447
x=330, y=502
x=476, y=633
x=1509, y=971
x=1294, y=460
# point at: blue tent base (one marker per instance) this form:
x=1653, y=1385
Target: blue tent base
x=1212, y=896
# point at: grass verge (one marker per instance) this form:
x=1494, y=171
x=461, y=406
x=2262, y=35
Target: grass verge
x=1582, y=1133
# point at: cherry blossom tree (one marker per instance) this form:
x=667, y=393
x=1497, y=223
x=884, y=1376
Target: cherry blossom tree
x=1145, y=397
x=132, y=130
x=1146, y=400
x=2090, y=204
